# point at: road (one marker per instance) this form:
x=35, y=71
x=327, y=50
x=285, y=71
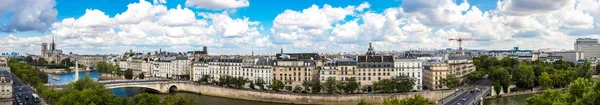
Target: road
x=469, y=93
x=22, y=92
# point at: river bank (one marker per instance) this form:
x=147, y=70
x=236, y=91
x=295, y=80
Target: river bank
x=521, y=93
x=294, y=98
x=61, y=71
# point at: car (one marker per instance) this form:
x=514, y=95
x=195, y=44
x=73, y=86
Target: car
x=458, y=104
x=26, y=97
x=463, y=99
x=21, y=88
x=19, y=95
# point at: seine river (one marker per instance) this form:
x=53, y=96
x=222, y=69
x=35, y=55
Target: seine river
x=210, y=100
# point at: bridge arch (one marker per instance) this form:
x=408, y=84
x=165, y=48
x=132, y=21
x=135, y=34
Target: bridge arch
x=155, y=89
x=172, y=89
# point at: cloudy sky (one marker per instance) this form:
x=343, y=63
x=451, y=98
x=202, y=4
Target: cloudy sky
x=265, y=26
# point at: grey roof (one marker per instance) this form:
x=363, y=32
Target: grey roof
x=4, y=73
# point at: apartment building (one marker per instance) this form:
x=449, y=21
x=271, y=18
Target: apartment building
x=220, y=67
x=412, y=68
x=172, y=67
x=256, y=68
x=6, y=96
x=341, y=70
x=373, y=68
x=432, y=74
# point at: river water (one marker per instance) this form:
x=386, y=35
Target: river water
x=509, y=100
x=126, y=92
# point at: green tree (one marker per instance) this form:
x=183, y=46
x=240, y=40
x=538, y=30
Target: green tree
x=524, y=76
x=128, y=74
x=316, y=87
x=204, y=78
x=545, y=81
x=415, y=100
x=585, y=70
x=497, y=87
x=298, y=88
x=548, y=97
x=29, y=60
x=42, y=61
x=288, y=88
x=597, y=68
x=404, y=83
x=277, y=85
x=384, y=85
x=352, y=85
x=362, y=102
x=578, y=88
x=501, y=76
x=450, y=81
x=330, y=85
x=260, y=83
x=67, y=62
x=141, y=75
x=475, y=76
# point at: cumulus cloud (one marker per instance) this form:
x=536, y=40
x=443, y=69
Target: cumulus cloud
x=217, y=4
x=531, y=7
x=28, y=15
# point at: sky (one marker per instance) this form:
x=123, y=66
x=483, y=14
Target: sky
x=266, y=26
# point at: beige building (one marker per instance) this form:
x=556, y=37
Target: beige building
x=89, y=60
x=6, y=96
x=372, y=68
x=293, y=72
x=341, y=70
x=434, y=71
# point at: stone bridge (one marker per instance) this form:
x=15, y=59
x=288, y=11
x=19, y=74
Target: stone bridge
x=162, y=86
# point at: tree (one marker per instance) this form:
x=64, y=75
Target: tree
x=524, y=76
x=450, y=81
x=288, y=88
x=497, y=87
x=67, y=62
x=501, y=76
x=362, y=102
x=384, y=85
x=260, y=83
x=403, y=83
x=585, y=70
x=315, y=87
x=545, y=81
x=277, y=85
x=475, y=76
x=239, y=82
x=578, y=88
x=29, y=60
x=141, y=75
x=415, y=100
x=251, y=85
x=548, y=97
x=205, y=78
x=330, y=85
x=598, y=68
x=352, y=85
x=128, y=74
x=42, y=61
x=298, y=88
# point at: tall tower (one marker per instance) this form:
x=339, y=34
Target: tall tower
x=205, y=49
x=52, y=45
x=76, y=71
x=44, y=49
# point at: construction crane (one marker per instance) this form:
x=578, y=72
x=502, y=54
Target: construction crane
x=460, y=40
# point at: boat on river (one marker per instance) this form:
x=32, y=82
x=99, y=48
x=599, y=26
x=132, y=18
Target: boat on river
x=56, y=78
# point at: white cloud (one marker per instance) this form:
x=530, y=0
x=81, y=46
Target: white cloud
x=217, y=4
x=28, y=15
x=435, y=13
x=178, y=17
x=363, y=6
x=531, y=7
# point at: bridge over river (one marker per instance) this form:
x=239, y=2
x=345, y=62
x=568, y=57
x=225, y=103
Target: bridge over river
x=469, y=95
x=159, y=85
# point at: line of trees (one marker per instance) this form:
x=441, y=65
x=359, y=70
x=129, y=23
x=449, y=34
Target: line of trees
x=27, y=73
x=401, y=83
x=580, y=92
x=415, y=100
x=528, y=74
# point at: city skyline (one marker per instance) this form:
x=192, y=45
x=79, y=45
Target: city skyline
x=261, y=26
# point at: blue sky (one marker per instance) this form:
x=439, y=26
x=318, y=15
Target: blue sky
x=265, y=26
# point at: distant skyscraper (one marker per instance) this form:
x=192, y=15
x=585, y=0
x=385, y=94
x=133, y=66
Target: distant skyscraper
x=589, y=46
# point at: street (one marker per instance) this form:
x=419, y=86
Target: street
x=22, y=93
x=469, y=93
